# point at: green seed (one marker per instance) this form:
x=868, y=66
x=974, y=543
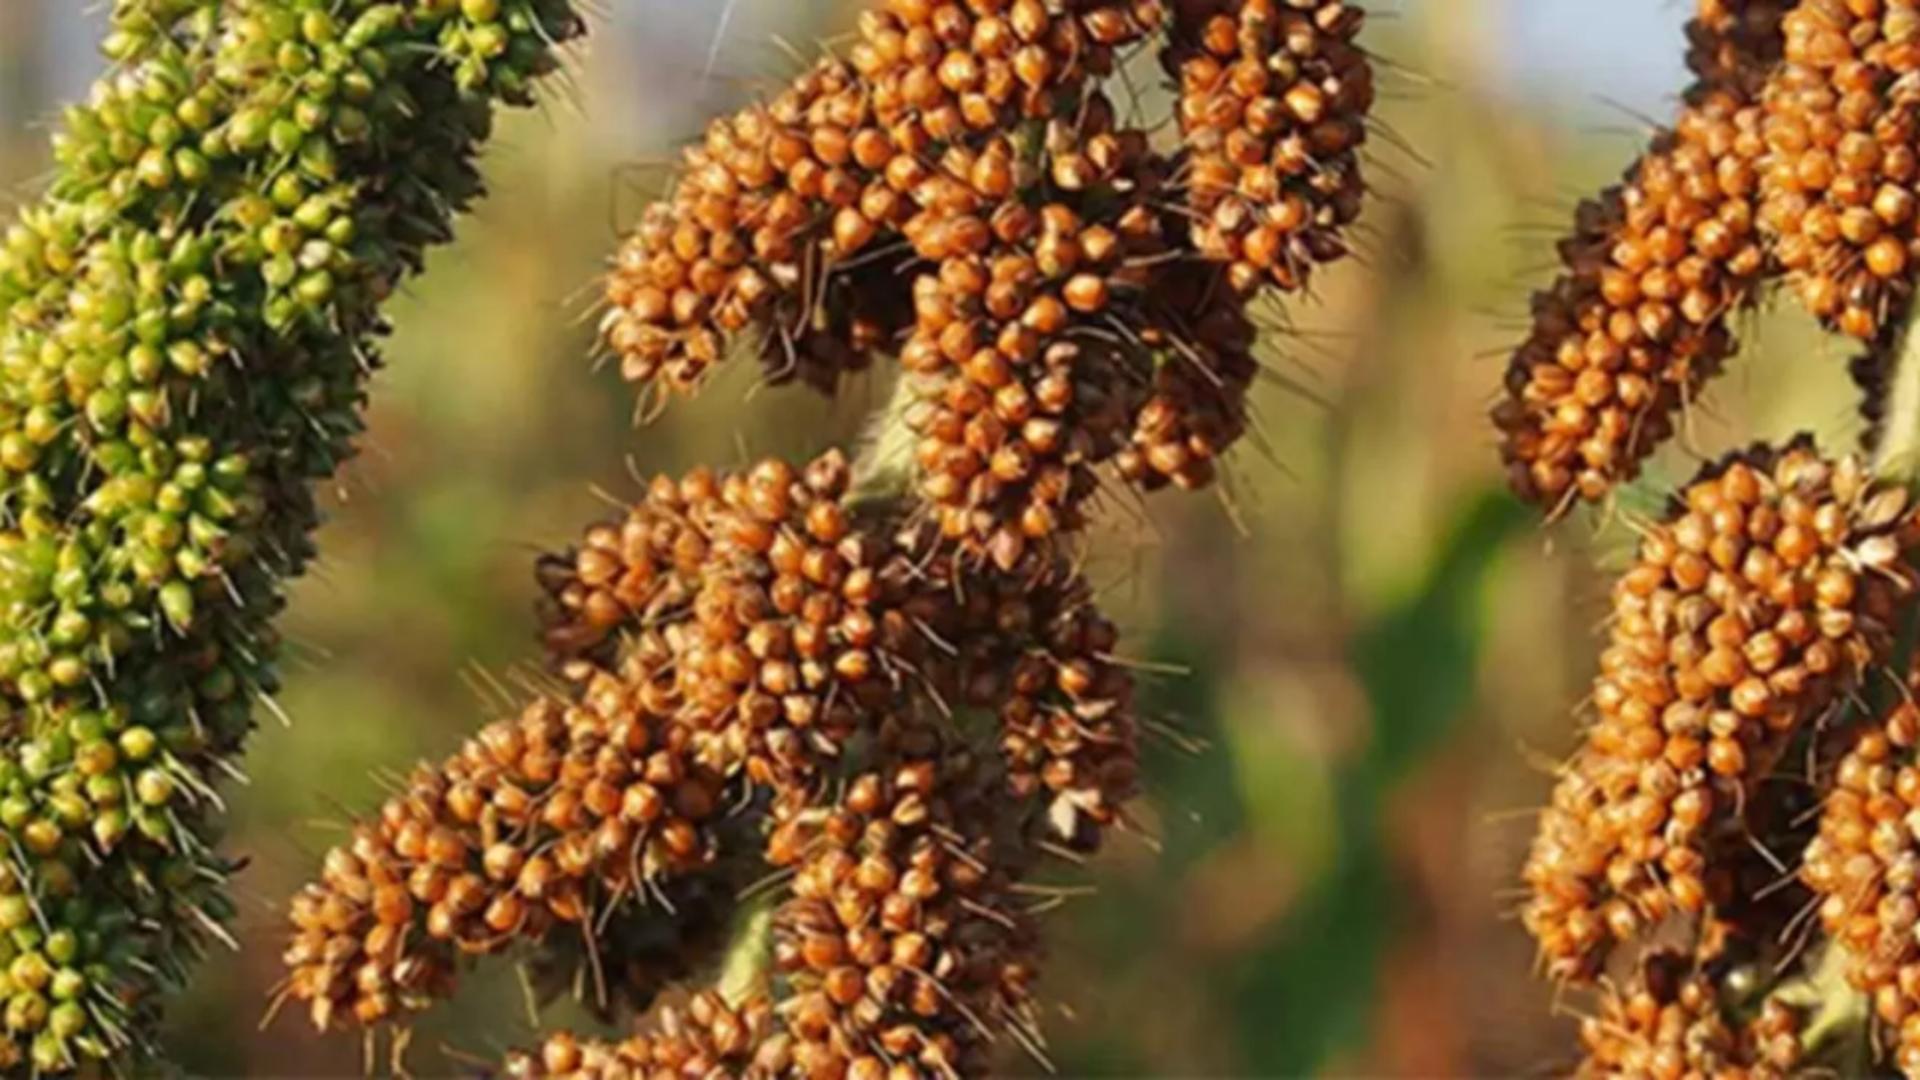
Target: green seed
x=68, y=1019
x=176, y=601
x=26, y=1011
x=154, y=787
x=138, y=743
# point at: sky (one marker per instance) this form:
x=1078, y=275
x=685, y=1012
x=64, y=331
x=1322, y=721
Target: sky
x=1581, y=54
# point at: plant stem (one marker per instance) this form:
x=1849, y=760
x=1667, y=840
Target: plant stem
x=749, y=954
x=1898, y=456
x=883, y=471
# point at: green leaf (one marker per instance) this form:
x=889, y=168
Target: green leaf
x=1418, y=661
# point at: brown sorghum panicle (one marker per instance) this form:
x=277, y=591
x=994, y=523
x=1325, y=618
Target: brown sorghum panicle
x=1669, y=1021
x=1837, y=188
x=1638, y=320
x=901, y=944
x=1274, y=98
x=538, y=822
x=706, y=1038
x=959, y=190
x=1761, y=600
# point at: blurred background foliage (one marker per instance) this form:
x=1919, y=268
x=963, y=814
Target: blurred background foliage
x=1366, y=659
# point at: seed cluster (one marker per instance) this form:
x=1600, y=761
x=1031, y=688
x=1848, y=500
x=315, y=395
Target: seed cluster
x=1750, y=611
x=190, y=315
x=762, y=232
x=788, y=218
x=1838, y=195
x=1652, y=272
x=538, y=822
x=1638, y=321
x=1274, y=97
x=1040, y=655
x=1865, y=868
x=1018, y=398
x=900, y=944
x=747, y=609
x=770, y=615
x=1669, y=1022
x=899, y=950
x=707, y=1038
x=1793, y=156
x=962, y=184
x=819, y=646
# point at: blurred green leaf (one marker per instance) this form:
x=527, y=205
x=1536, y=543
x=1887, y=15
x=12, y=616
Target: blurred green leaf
x=1418, y=661
x=1308, y=992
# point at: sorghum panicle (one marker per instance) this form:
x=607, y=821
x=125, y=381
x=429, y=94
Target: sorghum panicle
x=894, y=672
x=1764, y=598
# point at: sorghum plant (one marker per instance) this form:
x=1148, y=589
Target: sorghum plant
x=191, y=313
x=1727, y=863
x=880, y=675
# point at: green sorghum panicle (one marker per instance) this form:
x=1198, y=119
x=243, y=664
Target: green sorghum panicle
x=191, y=311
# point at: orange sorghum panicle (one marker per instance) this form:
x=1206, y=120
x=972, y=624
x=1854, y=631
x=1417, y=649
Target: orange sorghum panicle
x=1837, y=187
x=1760, y=601
x=537, y=822
x=901, y=942
x=1274, y=99
x=1669, y=1021
x=1638, y=320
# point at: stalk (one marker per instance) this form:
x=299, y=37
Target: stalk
x=1898, y=455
